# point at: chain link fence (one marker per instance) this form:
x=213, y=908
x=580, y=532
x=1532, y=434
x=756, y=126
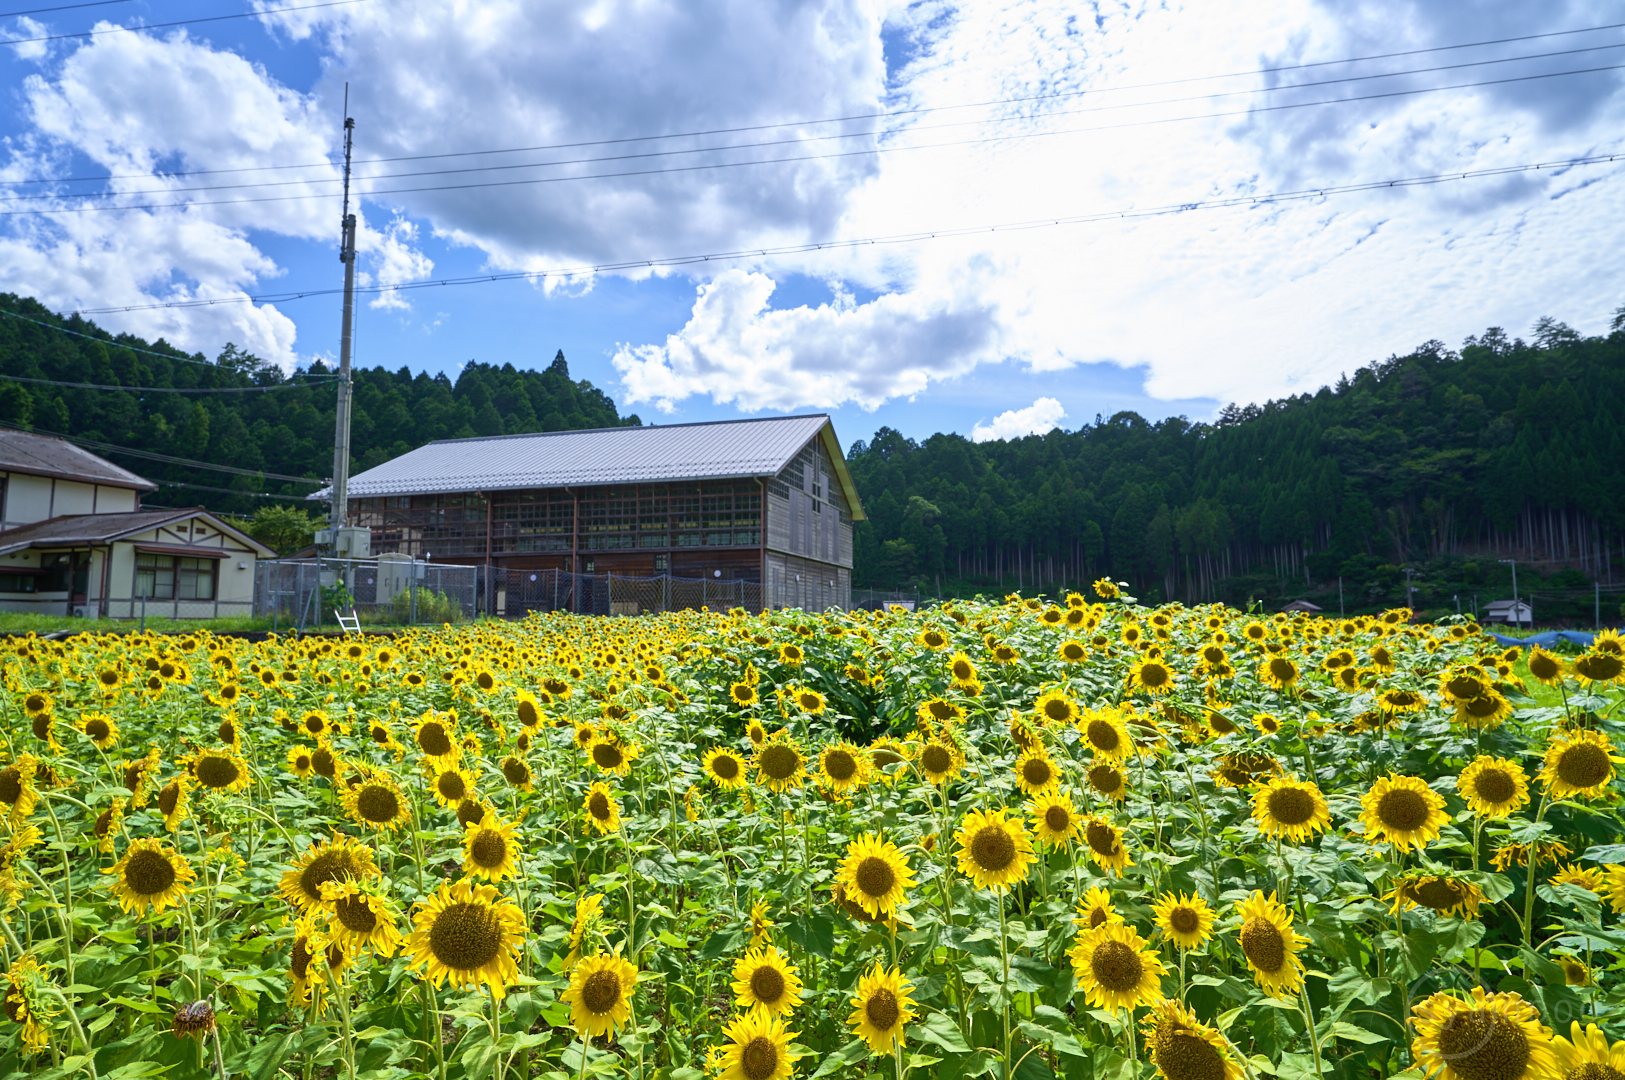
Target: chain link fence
x=304, y=593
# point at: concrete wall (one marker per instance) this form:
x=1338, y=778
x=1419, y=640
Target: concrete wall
x=36, y=498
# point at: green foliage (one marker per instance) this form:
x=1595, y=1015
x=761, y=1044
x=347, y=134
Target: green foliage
x=433, y=608
x=284, y=529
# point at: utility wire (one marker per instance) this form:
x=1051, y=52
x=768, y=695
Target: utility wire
x=61, y=7
x=1267, y=199
x=167, y=389
x=796, y=158
x=180, y=22
x=843, y=119
x=114, y=344
x=112, y=448
x=232, y=491
x=797, y=141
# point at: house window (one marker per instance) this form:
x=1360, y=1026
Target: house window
x=166, y=577
x=17, y=582
x=662, y=563
x=589, y=566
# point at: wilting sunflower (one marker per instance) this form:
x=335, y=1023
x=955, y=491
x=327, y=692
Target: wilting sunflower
x=219, y=770
x=761, y=925
x=450, y=784
x=489, y=849
x=1184, y=1048
x=1493, y=787
x=1291, y=808
x=779, y=764
x=469, y=934
x=377, y=803
x=1270, y=944
x=436, y=736
x=359, y=917
x=1104, y=732
x=600, y=994
x=1114, y=968
x=109, y=823
x=1278, y=672
x=765, y=979
x=17, y=790
x=603, y=812
x=1054, y=819
x=1587, y=1055
x=1152, y=676
x=758, y=1049
x=1442, y=894
x=1187, y=921
x=1035, y=773
x=151, y=875
x=882, y=1008
x=589, y=908
x=843, y=767
x=1106, y=847
x=940, y=760
x=1055, y=707
x=21, y=1001
x=1107, y=781
x=993, y=852
x=100, y=728
x=1483, y=1036
x=1579, y=763
x=725, y=768
x=1590, y=878
x=175, y=802
x=340, y=859
x=876, y=875
x=1403, y=811
x=613, y=755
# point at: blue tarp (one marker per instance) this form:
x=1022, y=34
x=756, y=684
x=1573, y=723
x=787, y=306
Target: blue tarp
x=1550, y=637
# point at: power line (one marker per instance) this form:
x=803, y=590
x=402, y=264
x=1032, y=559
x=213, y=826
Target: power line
x=180, y=22
x=233, y=491
x=165, y=389
x=802, y=140
x=803, y=157
x=113, y=448
x=61, y=7
x=108, y=342
x=855, y=116
x=1267, y=199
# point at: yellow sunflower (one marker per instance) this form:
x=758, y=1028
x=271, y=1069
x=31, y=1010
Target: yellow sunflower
x=993, y=852
x=1403, y=811
x=1579, y=763
x=151, y=875
x=1106, y=847
x=761, y=925
x=450, y=784
x=1035, y=773
x=1291, y=808
x=1184, y=1048
x=1114, y=968
x=359, y=917
x=1187, y=921
x=940, y=760
x=1490, y=709
x=109, y=823
x=882, y=1009
x=1482, y=1035
x=174, y=802
x=1493, y=787
x=339, y=859
x=961, y=670
x=1107, y=781
x=489, y=849
x=742, y=694
x=1104, y=732
x=435, y=734
x=100, y=728
x=517, y=772
x=1278, y=672
x=1442, y=894
x=1598, y=666
x=1152, y=676
x=725, y=768
x=1587, y=1055
x=613, y=755
x=589, y=909
x=376, y=803
x=21, y=1000
x=600, y=994
x=1056, y=708
x=1590, y=878
x=779, y=764
x=1054, y=819
x=17, y=790
x=1270, y=944
x=528, y=711
x=758, y=1048
x=843, y=767
x=1545, y=667
x=765, y=979
x=470, y=935
x=876, y=875
x=603, y=812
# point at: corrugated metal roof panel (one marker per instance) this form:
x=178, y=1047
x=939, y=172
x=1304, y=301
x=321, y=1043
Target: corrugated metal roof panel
x=727, y=448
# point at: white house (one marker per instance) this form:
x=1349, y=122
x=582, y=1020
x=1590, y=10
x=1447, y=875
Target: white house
x=1519, y=613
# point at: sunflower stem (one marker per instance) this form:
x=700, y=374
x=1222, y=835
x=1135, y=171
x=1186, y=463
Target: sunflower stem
x=1309, y=1023
x=1004, y=987
x=1529, y=878
x=431, y=1012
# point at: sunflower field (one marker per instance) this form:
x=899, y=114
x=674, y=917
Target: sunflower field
x=1015, y=839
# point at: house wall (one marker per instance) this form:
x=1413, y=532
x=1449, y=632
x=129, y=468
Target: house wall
x=234, y=579
x=809, y=535
x=31, y=498
x=57, y=601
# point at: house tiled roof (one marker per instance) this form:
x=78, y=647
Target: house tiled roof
x=44, y=455
x=78, y=529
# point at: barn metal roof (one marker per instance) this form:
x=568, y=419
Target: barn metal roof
x=42, y=455
x=624, y=455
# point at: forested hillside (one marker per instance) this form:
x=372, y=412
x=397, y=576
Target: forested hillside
x=1441, y=461
x=286, y=430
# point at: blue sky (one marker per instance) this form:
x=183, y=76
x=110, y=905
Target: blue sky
x=999, y=112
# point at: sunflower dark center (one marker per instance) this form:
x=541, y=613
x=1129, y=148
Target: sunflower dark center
x=104, y=822
x=515, y=771
x=1464, y=687
x=759, y=1059
x=148, y=873
x=1102, y=838
x=936, y=759
x=1495, y=785
x=1438, y=894
x=1072, y=651
x=11, y=784
x=451, y=785
x=1105, y=779
x=963, y=671
x=1291, y=806
x=940, y=710
x=528, y=715
x=993, y=848
x=601, y=992
x=840, y=765
x=882, y=1009
x=299, y=963
x=1184, y=1056
x=34, y=703
x=1154, y=675
x=1184, y=920
x=1484, y=1045
x=328, y=866
x=1036, y=771
x=1592, y=1070
x=355, y=914
x=97, y=729
x=470, y=812
x=217, y=771
x=875, y=877
x=324, y=762
x=227, y=731
x=607, y=756
x=1116, y=966
x=488, y=849
x=1097, y=917
x=377, y=804
x=767, y=984
x=1583, y=765
x=1103, y=736
x=379, y=733
x=433, y=739
x=1058, y=709
x=42, y=725
x=1601, y=667
x=1261, y=940
x=1057, y=819
x=779, y=762
x=1402, y=809
x=726, y=766
x=1283, y=670
x=598, y=805
x=466, y=937
x=169, y=797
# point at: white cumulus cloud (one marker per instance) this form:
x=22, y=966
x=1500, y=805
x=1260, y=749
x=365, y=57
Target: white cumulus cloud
x=1044, y=414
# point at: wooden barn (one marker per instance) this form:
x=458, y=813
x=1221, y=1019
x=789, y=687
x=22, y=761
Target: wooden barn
x=766, y=505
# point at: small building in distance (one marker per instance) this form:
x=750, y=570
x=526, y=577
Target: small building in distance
x=764, y=503
x=1516, y=613
x=75, y=541
x=1303, y=606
